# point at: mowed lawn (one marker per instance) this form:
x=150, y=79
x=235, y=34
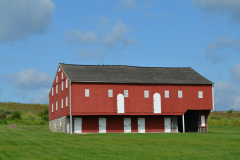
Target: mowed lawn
x=37, y=142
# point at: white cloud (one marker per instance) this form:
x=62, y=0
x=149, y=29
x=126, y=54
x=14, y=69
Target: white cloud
x=117, y=35
x=98, y=54
x=21, y=18
x=221, y=44
x=127, y=4
x=230, y=7
x=235, y=73
x=226, y=96
x=111, y=37
x=77, y=37
x=42, y=97
x=30, y=79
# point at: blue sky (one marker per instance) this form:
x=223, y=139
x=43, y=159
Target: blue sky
x=37, y=35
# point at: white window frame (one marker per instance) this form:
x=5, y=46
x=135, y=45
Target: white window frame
x=52, y=91
x=66, y=83
x=62, y=103
x=59, y=69
x=166, y=93
x=52, y=107
x=110, y=93
x=56, y=89
x=66, y=101
x=200, y=94
x=146, y=93
x=56, y=105
x=125, y=93
x=56, y=79
x=62, y=85
x=87, y=93
x=180, y=94
x=62, y=75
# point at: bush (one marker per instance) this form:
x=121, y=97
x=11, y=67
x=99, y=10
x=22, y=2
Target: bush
x=230, y=111
x=15, y=115
x=44, y=114
x=29, y=116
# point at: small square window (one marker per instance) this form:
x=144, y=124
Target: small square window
x=180, y=94
x=146, y=94
x=110, y=93
x=200, y=94
x=166, y=94
x=66, y=101
x=86, y=92
x=125, y=93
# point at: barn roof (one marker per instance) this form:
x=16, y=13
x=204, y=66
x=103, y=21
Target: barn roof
x=132, y=74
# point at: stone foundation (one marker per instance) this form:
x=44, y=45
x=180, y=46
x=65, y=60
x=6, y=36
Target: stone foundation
x=60, y=124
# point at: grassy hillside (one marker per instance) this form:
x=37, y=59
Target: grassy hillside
x=30, y=113
x=224, y=119
x=38, y=142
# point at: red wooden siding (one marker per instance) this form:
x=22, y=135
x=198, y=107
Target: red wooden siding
x=90, y=124
x=98, y=102
x=58, y=97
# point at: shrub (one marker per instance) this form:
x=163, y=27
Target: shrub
x=44, y=114
x=29, y=116
x=230, y=111
x=15, y=115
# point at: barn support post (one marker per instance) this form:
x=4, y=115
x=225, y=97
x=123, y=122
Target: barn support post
x=183, y=123
x=70, y=112
x=213, y=95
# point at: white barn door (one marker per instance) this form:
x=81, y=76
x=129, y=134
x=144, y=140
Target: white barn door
x=77, y=125
x=141, y=125
x=167, y=124
x=120, y=103
x=127, y=125
x=102, y=125
x=203, y=121
x=157, y=103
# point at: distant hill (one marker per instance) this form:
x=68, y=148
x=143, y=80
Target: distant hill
x=23, y=107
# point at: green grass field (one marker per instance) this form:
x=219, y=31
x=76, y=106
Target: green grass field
x=37, y=142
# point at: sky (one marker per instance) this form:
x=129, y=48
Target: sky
x=37, y=35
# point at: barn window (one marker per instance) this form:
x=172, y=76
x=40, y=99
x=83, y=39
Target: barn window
x=166, y=94
x=59, y=69
x=62, y=75
x=66, y=83
x=56, y=79
x=86, y=92
x=56, y=105
x=200, y=94
x=110, y=93
x=66, y=101
x=146, y=94
x=180, y=94
x=62, y=103
x=60, y=122
x=125, y=93
x=56, y=89
x=52, y=107
x=52, y=91
x=62, y=85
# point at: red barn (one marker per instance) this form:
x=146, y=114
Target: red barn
x=114, y=98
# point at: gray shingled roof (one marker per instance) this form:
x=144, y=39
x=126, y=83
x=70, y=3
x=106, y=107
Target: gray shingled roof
x=132, y=74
